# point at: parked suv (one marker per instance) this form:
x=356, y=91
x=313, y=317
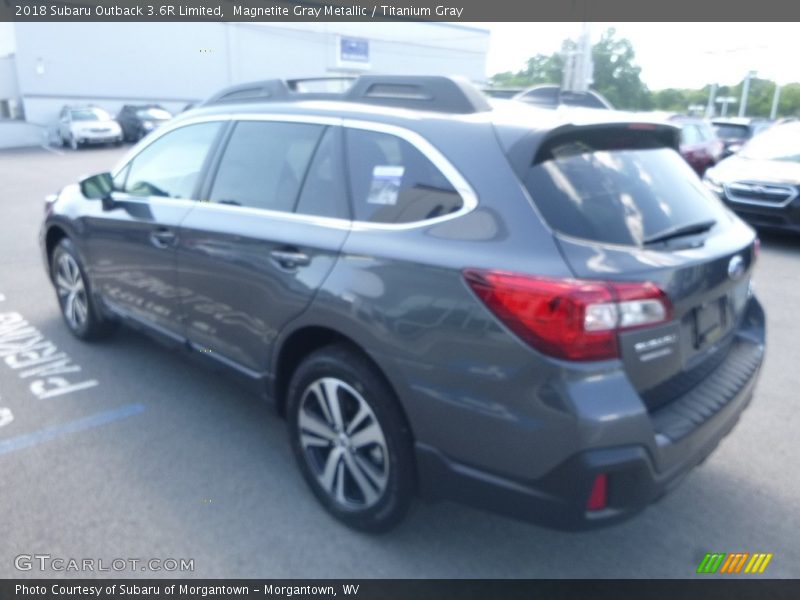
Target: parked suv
x=534, y=312
x=761, y=183
x=552, y=96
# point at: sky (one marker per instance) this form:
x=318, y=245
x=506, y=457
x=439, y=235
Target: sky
x=687, y=55
x=682, y=55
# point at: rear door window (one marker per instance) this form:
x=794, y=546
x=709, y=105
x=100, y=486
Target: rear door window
x=732, y=132
x=618, y=196
x=264, y=164
x=393, y=182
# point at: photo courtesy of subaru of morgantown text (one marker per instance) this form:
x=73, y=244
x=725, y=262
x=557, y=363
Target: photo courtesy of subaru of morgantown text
x=406, y=260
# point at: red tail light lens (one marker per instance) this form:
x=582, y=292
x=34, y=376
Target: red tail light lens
x=569, y=318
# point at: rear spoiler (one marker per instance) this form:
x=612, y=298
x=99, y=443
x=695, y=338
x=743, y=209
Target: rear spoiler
x=612, y=135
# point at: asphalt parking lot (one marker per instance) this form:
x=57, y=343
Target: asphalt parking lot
x=147, y=455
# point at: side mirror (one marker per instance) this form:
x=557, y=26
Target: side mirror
x=98, y=187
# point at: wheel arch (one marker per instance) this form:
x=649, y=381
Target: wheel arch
x=307, y=339
x=55, y=233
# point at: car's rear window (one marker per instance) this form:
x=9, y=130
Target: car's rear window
x=618, y=196
x=732, y=132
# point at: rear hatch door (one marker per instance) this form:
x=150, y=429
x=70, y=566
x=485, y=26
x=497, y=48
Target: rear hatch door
x=624, y=206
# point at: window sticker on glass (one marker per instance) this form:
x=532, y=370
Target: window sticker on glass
x=385, y=187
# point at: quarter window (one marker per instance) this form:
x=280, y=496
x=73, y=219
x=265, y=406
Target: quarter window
x=393, y=182
x=170, y=166
x=264, y=164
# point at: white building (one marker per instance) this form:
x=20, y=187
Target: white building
x=48, y=65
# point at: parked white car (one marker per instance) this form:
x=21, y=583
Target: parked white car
x=85, y=125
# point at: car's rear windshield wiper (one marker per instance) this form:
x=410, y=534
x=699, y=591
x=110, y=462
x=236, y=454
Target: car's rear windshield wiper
x=679, y=231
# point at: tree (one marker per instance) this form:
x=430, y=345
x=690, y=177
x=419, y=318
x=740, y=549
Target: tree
x=670, y=99
x=539, y=69
x=618, y=78
x=789, y=104
x=615, y=74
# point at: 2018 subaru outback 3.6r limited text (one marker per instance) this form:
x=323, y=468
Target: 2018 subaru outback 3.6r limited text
x=544, y=314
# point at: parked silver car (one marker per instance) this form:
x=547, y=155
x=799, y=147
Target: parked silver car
x=82, y=125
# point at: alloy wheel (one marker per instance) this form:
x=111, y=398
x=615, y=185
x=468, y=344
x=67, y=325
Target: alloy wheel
x=343, y=443
x=71, y=291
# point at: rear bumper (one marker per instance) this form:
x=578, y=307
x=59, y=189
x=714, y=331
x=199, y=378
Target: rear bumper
x=683, y=435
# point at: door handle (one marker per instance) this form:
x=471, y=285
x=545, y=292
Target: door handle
x=163, y=237
x=290, y=258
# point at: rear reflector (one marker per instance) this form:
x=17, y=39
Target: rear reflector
x=569, y=318
x=598, y=497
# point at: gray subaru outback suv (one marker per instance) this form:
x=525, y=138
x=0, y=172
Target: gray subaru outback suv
x=540, y=313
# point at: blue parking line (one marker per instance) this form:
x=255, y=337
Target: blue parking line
x=44, y=435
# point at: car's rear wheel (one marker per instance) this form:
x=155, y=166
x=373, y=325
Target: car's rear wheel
x=350, y=439
x=77, y=304
x=73, y=142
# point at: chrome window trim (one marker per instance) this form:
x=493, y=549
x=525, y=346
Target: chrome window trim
x=332, y=222
x=459, y=183
x=730, y=195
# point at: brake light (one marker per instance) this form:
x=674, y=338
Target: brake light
x=569, y=318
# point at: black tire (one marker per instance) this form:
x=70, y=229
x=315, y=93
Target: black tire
x=394, y=458
x=93, y=325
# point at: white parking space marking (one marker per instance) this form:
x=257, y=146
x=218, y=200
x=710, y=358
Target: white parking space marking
x=25, y=349
x=53, y=150
x=6, y=416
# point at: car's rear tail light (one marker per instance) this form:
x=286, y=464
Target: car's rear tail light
x=569, y=318
x=598, y=497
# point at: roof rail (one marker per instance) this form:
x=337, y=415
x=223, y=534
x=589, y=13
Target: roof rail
x=423, y=92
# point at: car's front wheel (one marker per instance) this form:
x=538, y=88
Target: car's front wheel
x=350, y=439
x=77, y=304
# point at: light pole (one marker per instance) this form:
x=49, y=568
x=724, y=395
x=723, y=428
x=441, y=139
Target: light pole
x=725, y=100
x=710, y=106
x=775, y=99
x=745, y=92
